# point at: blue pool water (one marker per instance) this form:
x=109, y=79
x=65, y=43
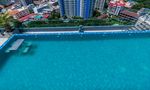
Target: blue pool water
x=88, y=64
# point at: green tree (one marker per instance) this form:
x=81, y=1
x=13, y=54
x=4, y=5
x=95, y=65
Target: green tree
x=77, y=17
x=54, y=15
x=96, y=13
x=138, y=6
x=6, y=22
x=141, y=4
x=18, y=25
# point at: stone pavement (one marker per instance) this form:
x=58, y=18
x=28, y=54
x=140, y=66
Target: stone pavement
x=3, y=39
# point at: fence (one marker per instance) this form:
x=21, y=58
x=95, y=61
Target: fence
x=76, y=28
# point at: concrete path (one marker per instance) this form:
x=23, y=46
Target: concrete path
x=44, y=32
x=3, y=40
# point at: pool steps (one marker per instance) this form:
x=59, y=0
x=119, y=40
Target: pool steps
x=15, y=45
x=25, y=50
x=26, y=47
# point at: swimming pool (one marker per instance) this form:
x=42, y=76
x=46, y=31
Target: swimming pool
x=78, y=62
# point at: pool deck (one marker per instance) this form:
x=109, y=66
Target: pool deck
x=42, y=32
x=3, y=40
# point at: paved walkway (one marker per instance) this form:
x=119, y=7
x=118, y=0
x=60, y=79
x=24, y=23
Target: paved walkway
x=44, y=32
x=3, y=39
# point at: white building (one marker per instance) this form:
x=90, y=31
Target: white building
x=115, y=6
x=42, y=8
x=45, y=7
x=143, y=22
x=143, y=11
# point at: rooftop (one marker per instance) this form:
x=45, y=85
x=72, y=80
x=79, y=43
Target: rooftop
x=13, y=12
x=117, y=3
x=133, y=14
x=26, y=17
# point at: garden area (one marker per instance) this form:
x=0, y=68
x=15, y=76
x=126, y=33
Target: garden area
x=55, y=23
x=141, y=4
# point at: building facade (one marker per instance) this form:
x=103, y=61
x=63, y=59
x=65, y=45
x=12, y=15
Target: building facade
x=41, y=9
x=99, y=5
x=143, y=23
x=126, y=15
x=143, y=11
x=80, y=8
x=26, y=2
x=115, y=6
x=19, y=13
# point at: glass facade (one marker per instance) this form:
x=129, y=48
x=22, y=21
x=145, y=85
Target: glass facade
x=80, y=8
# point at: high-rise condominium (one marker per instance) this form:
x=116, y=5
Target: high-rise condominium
x=80, y=8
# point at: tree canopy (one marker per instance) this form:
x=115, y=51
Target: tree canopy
x=141, y=4
x=6, y=21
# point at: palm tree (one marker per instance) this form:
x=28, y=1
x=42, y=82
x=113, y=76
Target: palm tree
x=6, y=21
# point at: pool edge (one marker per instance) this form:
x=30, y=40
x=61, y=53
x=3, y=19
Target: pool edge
x=75, y=33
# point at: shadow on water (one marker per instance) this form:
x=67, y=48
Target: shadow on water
x=31, y=51
x=4, y=57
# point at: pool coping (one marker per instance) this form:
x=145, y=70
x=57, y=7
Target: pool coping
x=75, y=33
x=6, y=42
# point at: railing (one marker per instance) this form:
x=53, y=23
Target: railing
x=77, y=28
